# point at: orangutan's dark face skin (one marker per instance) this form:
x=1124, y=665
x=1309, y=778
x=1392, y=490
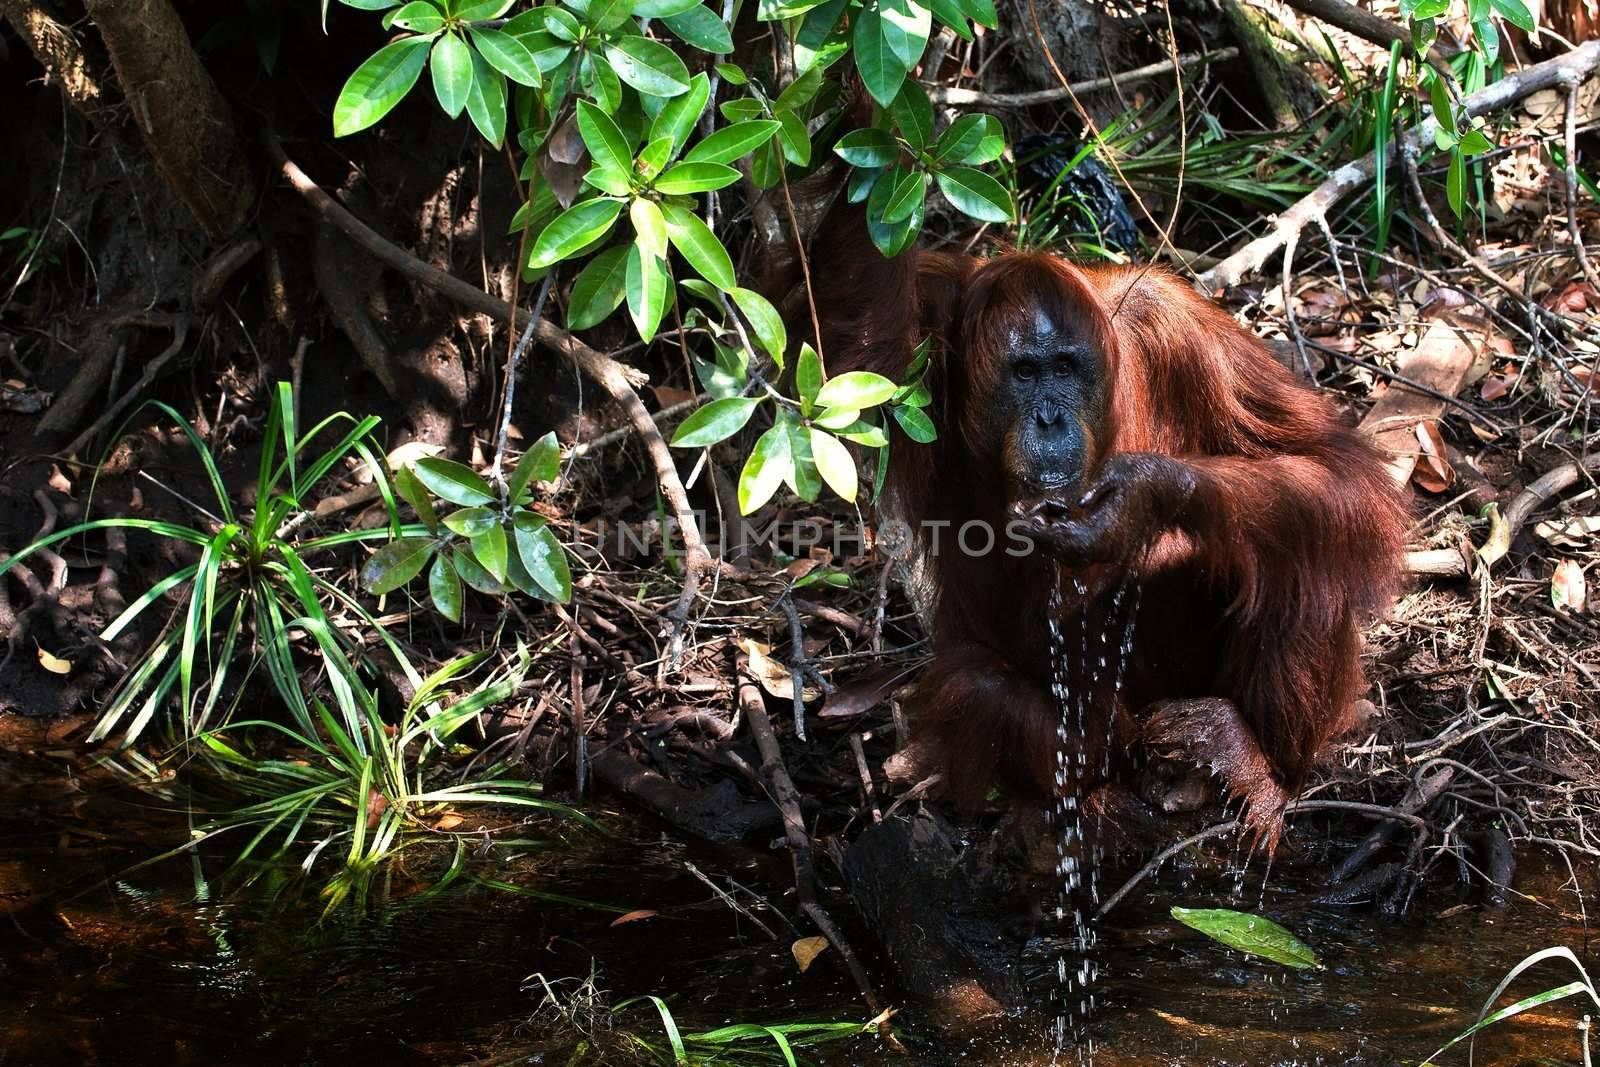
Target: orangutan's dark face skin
x=1043, y=400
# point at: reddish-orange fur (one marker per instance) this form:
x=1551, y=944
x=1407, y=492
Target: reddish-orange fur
x=1292, y=541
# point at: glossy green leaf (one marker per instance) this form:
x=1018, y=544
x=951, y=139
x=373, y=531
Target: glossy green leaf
x=696, y=177
x=906, y=26
x=470, y=522
x=1443, y=110
x=906, y=196
x=578, y=226
x=862, y=181
x=655, y=9
x=407, y=485
x=612, y=181
x=677, y=117
x=508, y=55
x=472, y=572
x=646, y=284
x=855, y=389
x=598, y=80
x=838, y=418
x=870, y=147
x=804, y=480
x=561, y=23
x=490, y=549
x=473, y=10
x=540, y=463
x=949, y=13
x=916, y=424
x=892, y=238
x=732, y=73
x=486, y=100
x=960, y=139
x=793, y=138
x=834, y=463
x=912, y=113
x=1474, y=142
x=379, y=84
x=599, y=289
x=395, y=564
x=696, y=243
x=541, y=553
x=716, y=421
x=455, y=482
x=808, y=376
x=1455, y=183
x=451, y=67
x=607, y=146
x=699, y=26
x=881, y=70
x=864, y=433
x=991, y=146
x=418, y=17
x=1251, y=934
x=765, y=321
x=975, y=193
x=654, y=155
x=649, y=227
x=982, y=12
x=1516, y=13
x=444, y=588
x=648, y=66
x=732, y=142
x=765, y=470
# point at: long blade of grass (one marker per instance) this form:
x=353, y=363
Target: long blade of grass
x=1383, y=132
x=165, y=529
x=148, y=597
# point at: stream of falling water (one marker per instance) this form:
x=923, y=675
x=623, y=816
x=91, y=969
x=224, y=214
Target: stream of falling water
x=1079, y=853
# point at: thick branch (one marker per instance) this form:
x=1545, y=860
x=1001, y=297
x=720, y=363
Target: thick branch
x=1563, y=70
x=615, y=378
x=1367, y=26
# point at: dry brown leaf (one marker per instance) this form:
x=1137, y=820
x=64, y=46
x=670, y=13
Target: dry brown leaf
x=862, y=695
x=668, y=395
x=807, y=949
x=1433, y=474
x=1493, y=387
x=1569, y=532
x=1567, y=588
x=54, y=664
x=634, y=916
x=377, y=804
x=774, y=676
x=448, y=821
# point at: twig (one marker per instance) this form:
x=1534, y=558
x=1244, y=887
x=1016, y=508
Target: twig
x=152, y=370
x=728, y=899
x=780, y=787
x=1570, y=150
x=1566, y=69
x=616, y=379
x=510, y=387
x=1050, y=96
x=1370, y=27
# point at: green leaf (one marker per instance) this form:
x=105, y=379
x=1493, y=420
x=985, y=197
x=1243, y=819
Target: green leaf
x=700, y=27
x=596, y=78
x=444, y=587
x=599, y=289
x=395, y=564
x=470, y=522
x=472, y=572
x=607, y=147
x=765, y=321
x=865, y=433
x=648, y=66
x=610, y=180
x=808, y=376
x=473, y=10
x=453, y=481
x=982, y=12
x=451, y=68
x=906, y=196
x=862, y=181
x=486, y=100
x=716, y=421
x=405, y=482
x=794, y=139
x=950, y=14
x=975, y=193
x=677, y=116
x=1443, y=109
x=696, y=177
x=732, y=142
x=649, y=227
x=837, y=418
x=654, y=156
x=834, y=463
x=646, y=283
x=1516, y=13
x=1430, y=9
x=655, y=9
x=804, y=478
x=578, y=226
x=906, y=26
x=540, y=463
x=960, y=139
x=727, y=376
x=1250, y=934
x=991, y=146
x=418, y=17
x=1455, y=183
x=543, y=556
x=881, y=70
x=912, y=113
x=855, y=389
x=490, y=549
x=379, y=84
x=1473, y=143
x=798, y=93
x=561, y=23
x=508, y=55
x=765, y=470
x=892, y=238
x=695, y=241
x=870, y=147
x=732, y=73
x=916, y=424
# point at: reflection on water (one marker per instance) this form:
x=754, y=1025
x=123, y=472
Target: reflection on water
x=103, y=967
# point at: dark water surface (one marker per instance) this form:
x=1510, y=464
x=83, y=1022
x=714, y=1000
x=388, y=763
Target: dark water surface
x=102, y=966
